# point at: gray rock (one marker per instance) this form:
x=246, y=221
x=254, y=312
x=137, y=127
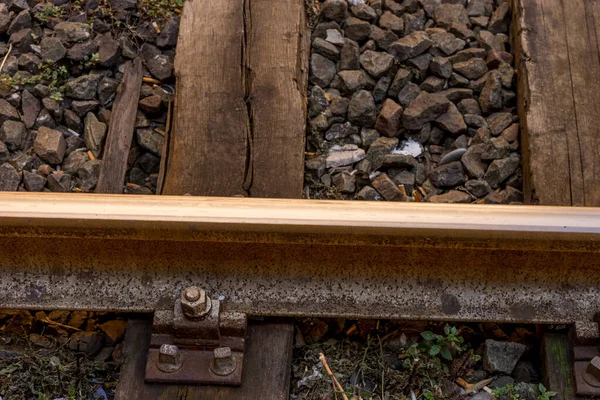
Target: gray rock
x=168, y=34
x=88, y=342
x=81, y=51
x=322, y=70
x=50, y=145
x=21, y=21
x=501, y=357
x=157, y=63
x=94, y=134
x=150, y=140
x=368, y=136
x=496, y=148
x=420, y=63
x=344, y=182
x=501, y=381
x=382, y=37
x=496, y=57
x=451, y=121
x=524, y=370
x=482, y=396
x=387, y=188
x=448, y=14
x=88, y=175
x=82, y=107
x=441, y=67
x=408, y=94
x=357, y=29
x=424, y=108
x=349, y=57
x=448, y=175
x=9, y=178
x=13, y=134
x=381, y=89
x=59, y=182
x=399, y=161
x=52, y=49
x=74, y=161
x=499, y=21
x=472, y=161
x=498, y=122
x=361, y=110
x=376, y=63
x=344, y=157
x=339, y=131
x=326, y=49
x=446, y=42
x=109, y=50
x=478, y=187
x=128, y=49
x=83, y=87
x=107, y=89
x=336, y=10
x=491, y=97
x=379, y=149
x=45, y=119
x=433, y=84
x=33, y=182
x=7, y=111
x=477, y=8
x=400, y=80
x=469, y=106
x=29, y=62
x=411, y=45
x=4, y=154
x=72, y=120
x=368, y=193
x=21, y=40
x=70, y=32
x=500, y=170
x=5, y=17
x=365, y=12
x=467, y=54
x=317, y=101
x=30, y=107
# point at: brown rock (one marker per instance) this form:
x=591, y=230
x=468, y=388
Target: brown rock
x=424, y=108
x=388, y=121
x=411, y=45
x=31, y=107
x=50, y=145
x=473, y=68
x=388, y=189
x=87, y=342
x=491, y=97
x=448, y=14
x=453, y=196
x=114, y=330
x=452, y=121
x=151, y=104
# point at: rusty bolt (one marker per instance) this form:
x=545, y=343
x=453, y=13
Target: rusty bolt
x=224, y=363
x=194, y=302
x=169, y=358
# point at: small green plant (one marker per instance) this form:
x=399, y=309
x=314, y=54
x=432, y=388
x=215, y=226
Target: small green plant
x=508, y=390
x=48, y=10
x=446, y=346
x=160, y=9
x=545, y=394
x=50, y=75
x=91, y=61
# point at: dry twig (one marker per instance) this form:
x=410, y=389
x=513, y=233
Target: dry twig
x=5, y=57
x=50, y=322
x=333, y=378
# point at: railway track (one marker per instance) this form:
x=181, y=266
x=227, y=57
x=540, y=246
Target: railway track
x=214, y=276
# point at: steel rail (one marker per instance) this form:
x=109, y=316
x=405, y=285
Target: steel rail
x=300, y=257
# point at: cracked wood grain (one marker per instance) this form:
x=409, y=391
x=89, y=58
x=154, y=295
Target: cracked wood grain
x=240, y=103
x=559, y=100
x=120, y=132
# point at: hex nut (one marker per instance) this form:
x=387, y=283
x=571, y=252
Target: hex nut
x=194, y=302
x=169, y=358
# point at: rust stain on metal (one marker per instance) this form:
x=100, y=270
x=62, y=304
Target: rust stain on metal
x=282, y=257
